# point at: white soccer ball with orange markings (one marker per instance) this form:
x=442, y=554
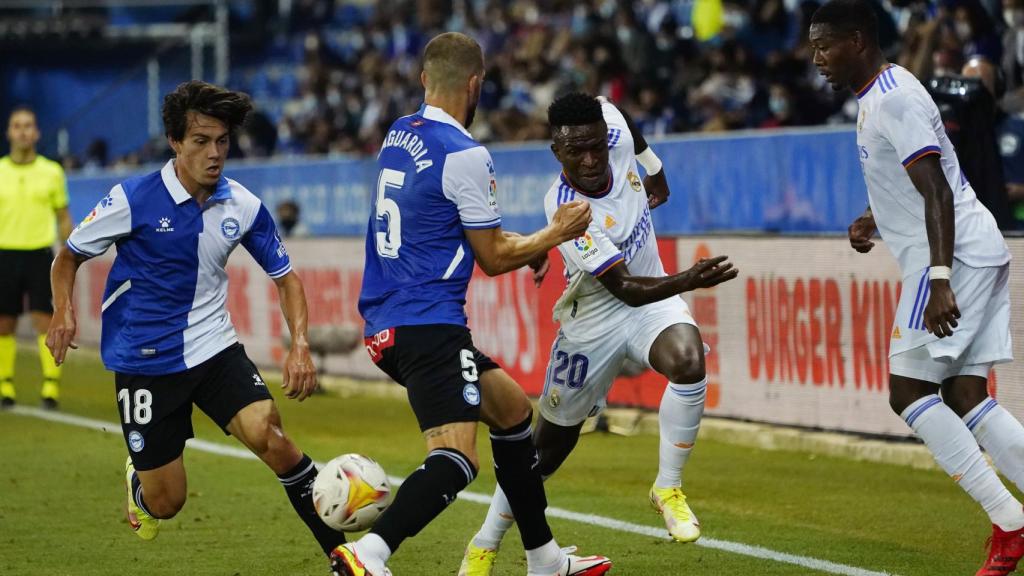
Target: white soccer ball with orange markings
x=350, y=492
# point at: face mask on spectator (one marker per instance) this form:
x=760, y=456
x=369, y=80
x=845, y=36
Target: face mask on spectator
x=735, y=19
x=963, y=30
x=779, y=107
x=1014, y=18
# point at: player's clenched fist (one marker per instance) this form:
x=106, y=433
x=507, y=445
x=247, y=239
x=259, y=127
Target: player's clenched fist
x=941, y=313
x=571, y=219
x=861, y=231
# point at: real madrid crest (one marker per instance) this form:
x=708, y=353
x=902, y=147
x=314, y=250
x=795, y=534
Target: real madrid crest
x=860, y=121
x=634, y=181
x=554, y=399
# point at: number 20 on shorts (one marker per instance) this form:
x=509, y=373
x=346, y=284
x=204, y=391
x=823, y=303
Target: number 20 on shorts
x=570, y=371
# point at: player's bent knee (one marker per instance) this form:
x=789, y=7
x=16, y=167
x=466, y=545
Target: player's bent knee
x=165, y=504
x=686, y=365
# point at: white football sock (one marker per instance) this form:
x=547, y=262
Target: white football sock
x=682, y=406
x=499, y=520
x=957, y=452
x=1001, y=435
x=373, y=552
x=547, y=559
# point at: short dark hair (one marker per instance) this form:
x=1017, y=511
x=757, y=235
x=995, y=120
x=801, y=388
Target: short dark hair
x=21, y=108
x=574, y=109
x=849, y=16
x=231, y=108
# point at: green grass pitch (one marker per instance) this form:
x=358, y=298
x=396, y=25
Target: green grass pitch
x=61, y=500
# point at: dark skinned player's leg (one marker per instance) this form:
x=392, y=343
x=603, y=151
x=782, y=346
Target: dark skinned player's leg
x=995, y=429
x=950, y=441
x=678, y=354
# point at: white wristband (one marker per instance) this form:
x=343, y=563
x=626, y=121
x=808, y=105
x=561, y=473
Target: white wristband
x=940, y=273
x=650, y=161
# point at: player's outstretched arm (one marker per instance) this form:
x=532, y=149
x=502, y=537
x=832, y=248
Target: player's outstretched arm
x=642, y=290
x=61, y=334
x=941, y=313
x=498, y=252
x=299, y=380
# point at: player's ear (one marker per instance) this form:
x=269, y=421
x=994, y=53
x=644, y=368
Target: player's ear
x=858, y=40
x=556, y=151
x=175, y=145
x=423, y=79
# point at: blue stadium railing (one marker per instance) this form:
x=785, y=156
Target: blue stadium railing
x=799, y=180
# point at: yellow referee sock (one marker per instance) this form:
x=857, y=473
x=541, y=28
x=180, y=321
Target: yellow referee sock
x=8, y=349
x=51, y=372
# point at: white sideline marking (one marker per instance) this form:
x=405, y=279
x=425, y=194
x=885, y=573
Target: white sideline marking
x=590, y=519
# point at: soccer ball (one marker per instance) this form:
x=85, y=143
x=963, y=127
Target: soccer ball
x=350, y=492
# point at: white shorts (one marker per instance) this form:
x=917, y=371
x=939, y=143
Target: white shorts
x=582, y=368
x=981, y=339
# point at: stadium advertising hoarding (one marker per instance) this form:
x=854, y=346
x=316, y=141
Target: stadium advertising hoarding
x=797, y=180
x=801, y=337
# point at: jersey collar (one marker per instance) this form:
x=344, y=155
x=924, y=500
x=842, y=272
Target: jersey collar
x=180, y=195
x=867, y=87
x=438, y=115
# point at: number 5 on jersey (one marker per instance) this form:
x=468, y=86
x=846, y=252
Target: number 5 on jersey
x=389, y=240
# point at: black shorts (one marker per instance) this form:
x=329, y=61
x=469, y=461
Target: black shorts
x=156, y=411
x=25, y=280
x=439, y=367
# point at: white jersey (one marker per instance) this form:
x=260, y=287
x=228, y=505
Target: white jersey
x=899, y=124
x=621, y=231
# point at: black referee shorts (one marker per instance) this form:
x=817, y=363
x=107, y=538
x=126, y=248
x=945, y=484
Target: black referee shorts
x=25, y=281
x=439, y=367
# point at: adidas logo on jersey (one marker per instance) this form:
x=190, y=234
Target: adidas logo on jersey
x=165, y=225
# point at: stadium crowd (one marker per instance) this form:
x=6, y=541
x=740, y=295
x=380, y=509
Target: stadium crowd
x=676, y=66
x=347, y=69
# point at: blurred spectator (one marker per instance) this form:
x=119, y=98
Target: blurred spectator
x=968, y=106
x=95, y=155
x=1013, y=55
x=782, y=108
x=288, y=220
x=1011, y=147
x=338, y=73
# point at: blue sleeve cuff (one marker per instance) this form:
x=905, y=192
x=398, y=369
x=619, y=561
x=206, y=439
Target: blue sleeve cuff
x=607, y=265
x=281, y=272
x=921, y=154
x=77, y=250
x=482, y=225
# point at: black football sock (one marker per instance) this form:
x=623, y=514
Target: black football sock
x=424, y=495
x=298, y=483
x=137, y=494
x=516, y=466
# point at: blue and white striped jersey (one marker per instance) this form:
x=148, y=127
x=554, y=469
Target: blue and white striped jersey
x=434, y=181
x=164, y=303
